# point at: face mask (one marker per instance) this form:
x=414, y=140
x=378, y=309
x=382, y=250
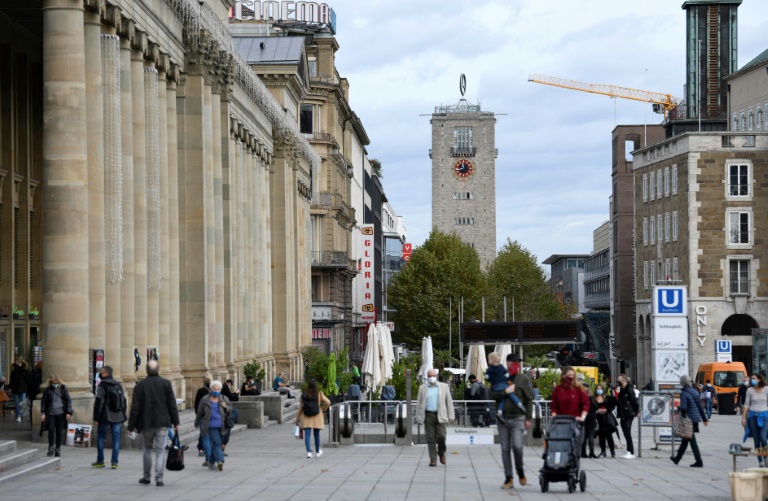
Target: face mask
x=599, y=392
x=432, y=379
x=753, y=381
x=570, y=379
x=746, y=382
x=514, y=368
x=215, y=393
x=55, y=385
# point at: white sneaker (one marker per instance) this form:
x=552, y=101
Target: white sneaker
x=309, y=455
x=18, y=419
x=320, y=453
x=628, y=455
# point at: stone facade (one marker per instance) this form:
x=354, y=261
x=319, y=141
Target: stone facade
x=155, y=199
x=465, y=202
x=712, y=207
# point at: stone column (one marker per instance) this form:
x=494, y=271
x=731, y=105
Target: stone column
x=154, y=226
x=127, y=286
x=165, y=264
x=218, y=224
x=65, y=201
x=266, y=253
x=139, y=196
x=231, y=343
x=254, y=293
x=209, y=218
x=173, y=229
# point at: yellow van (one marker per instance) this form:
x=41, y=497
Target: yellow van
x=589, y=373
x=726, y=377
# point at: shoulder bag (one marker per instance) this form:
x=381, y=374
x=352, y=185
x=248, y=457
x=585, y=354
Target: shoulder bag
x=175, y=459
x=683, y=427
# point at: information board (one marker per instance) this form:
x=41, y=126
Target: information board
x=553, y=332
x=469, y=436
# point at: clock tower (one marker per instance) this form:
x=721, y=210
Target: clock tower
x=464, y=174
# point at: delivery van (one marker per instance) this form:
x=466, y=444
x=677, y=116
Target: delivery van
x=726, y=377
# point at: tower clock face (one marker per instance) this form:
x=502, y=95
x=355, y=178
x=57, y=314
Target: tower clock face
x=463, y=168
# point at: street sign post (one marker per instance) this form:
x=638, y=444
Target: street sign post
x=656, y=412
x=723, y=351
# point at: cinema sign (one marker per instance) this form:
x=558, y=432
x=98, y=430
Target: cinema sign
x=309, y=12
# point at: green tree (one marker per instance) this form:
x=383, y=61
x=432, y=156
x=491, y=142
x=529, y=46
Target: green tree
x=516, y=275
x=443, y=268
x=376, y=166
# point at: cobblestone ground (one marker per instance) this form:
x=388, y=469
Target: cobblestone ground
x=270, y=464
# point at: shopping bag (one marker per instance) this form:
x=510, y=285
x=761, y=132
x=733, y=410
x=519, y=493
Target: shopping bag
x=175, y=459
x=297, y=431
x=683, y=427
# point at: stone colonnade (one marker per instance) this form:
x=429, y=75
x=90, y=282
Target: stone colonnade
x=176, y=219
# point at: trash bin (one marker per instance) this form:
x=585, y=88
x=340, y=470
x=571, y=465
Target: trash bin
x=726, y=403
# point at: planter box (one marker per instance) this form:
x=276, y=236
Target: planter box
x=33, y=317
x=16, y=316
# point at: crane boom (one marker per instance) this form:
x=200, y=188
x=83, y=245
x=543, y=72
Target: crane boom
x=660, y=98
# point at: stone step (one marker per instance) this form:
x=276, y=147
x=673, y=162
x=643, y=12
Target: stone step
x=268, y=422
x=39, y=465
x=10, y=460
x=7, y=446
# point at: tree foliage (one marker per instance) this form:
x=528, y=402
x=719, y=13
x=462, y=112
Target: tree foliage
x=442, y=269
x=376, y=166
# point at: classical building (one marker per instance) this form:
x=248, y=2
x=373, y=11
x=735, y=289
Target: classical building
x=463, y=157
x=155, y=195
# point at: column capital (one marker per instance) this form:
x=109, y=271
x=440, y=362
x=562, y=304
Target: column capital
x=164, y=64
x=127, y=30
x=112, y=17
x=152, y=53
x=62, y=4
x=97, y=6
x=140, y=42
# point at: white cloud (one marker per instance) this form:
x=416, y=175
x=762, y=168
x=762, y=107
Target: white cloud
x=404, y=57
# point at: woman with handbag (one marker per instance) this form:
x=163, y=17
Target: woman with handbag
x=755, y=414
x=311, y=408
x=690, y=409
x=603, y=405
x=56, y=407
x=214, y=422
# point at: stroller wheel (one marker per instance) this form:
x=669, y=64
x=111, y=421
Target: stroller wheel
x=583, y=481
x=571, y=484
x=544, y=483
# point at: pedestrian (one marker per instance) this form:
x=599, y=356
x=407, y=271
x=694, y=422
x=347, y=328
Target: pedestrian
x=56, y=409
x=249, y=388
x=281, y=386
x=19, y=380
x=355, y=374
x=153, y=410
x=434, y=408
x=211, y=419
x=499, y=378
x=229, y=391
x=310, y=416
x=203, y=391
x=708, y=396
x=756, y=414
x=603, y=405
x=516, y=421
x=590, y=427
x=742, y=394
x=690, y=407
x=628, y=409
x=109, y=414
x=569, y=397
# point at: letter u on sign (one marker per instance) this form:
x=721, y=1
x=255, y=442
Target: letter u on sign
x=670, y=301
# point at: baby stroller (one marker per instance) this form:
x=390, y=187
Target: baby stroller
x=562, y=454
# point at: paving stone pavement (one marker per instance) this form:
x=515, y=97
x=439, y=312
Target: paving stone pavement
x=270, y=464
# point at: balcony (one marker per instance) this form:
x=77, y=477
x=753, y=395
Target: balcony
x=319, y=77
x=330, y=259
x=466, y=151
x=318, y=137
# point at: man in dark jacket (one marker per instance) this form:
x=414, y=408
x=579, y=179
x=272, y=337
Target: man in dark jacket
x=515, y=420
x=108, y=415
x=19, y=377
x=628, y=409
x=153, y=410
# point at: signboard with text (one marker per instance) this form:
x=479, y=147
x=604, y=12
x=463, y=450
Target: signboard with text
x=282, y=11
x=552, y=332
x=670, y=300
x=365, y=299
x=723, y=351
x=670, y=332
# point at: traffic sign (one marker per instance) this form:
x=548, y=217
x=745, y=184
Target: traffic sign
x=723, y=350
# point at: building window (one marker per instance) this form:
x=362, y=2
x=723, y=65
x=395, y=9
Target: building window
x=674, y=179
x=738, y=180
x=738, y=227
x=652, y=266
x=667, y=270
x=743, y=121
x=666, y=181
x=666, y=226
x=645, y=274
x=653, y=230
x=759, y=118
x=462, y=195
x=659, y=229
x=739, y=276
x=675, y=269
x=462, y=138
x=645, y=187
x=652, y=186
x=674, y=226
x=735, y=125
x=658, y=183
x=305, y=119
x=750, y=120
x=645, y=231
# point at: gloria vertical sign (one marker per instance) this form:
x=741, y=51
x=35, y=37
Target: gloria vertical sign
x=670, y=332
x=367, y=309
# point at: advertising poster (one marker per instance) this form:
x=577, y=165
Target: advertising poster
x=79, y=435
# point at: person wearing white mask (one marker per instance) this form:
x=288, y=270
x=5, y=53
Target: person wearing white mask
x=434, y=408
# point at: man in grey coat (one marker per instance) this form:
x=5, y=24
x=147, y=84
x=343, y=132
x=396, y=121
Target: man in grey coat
x=434, y=408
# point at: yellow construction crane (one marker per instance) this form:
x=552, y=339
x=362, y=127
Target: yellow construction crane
x=662, y=102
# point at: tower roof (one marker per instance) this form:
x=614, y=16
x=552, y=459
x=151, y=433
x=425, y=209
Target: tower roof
x=688, y=3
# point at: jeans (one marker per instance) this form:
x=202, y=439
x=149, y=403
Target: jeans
x=435, y=432
x=760, y=435
x=307, y=433
x=511, y=439
x=212, y=446
x=55, y=427
x=708, y=405
x=626, y=428
x=154, y=442
x=19, y=398
x=116, y=429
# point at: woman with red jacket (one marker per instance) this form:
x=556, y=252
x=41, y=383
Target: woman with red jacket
x=569, y=398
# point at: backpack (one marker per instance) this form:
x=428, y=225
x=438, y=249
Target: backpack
x=116, y=398
x=309, y=405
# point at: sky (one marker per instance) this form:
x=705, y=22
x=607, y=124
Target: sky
x=553, y=173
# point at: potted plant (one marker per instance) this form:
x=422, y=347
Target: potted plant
x=18, y=313
x=5, y=312
x=33, y=313
x=257, y=371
